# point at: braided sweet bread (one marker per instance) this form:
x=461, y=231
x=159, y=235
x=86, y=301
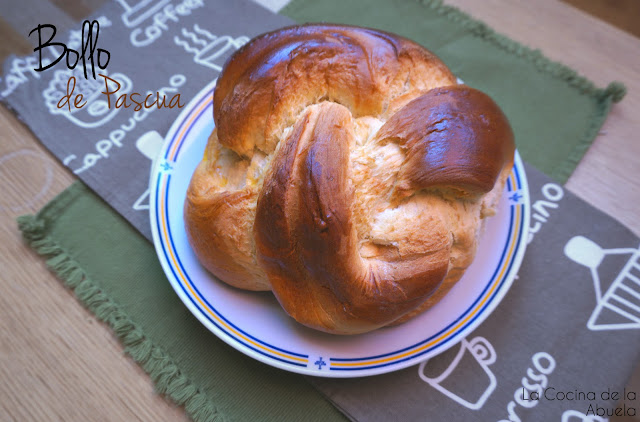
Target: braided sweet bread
x=348, y=173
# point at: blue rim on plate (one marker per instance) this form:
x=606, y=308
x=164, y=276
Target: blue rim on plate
x=196, y=121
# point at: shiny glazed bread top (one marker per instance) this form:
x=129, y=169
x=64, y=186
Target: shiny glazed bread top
x=347, y=173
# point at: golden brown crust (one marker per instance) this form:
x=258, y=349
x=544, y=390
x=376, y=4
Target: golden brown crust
x=218, y=223
x=455, y=137
x=307, y=243
x=347, y=173
x=270, y=80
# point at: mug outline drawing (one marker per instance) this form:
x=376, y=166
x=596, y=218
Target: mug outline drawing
x=484, y=353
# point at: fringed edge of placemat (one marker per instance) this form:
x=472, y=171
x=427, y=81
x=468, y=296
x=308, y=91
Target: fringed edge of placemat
x=604, y=97
x=167, y=377
x=614, y=92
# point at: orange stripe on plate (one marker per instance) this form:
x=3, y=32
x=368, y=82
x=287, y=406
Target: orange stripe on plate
x=202, y=303
x=186, y=127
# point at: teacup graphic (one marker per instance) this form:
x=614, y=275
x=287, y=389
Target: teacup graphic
x=136, y=11
x=477, y=355
x=209, y=50
x=96, y=111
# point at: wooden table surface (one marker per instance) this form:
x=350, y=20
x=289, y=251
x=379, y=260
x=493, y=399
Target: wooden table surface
x=58, y=363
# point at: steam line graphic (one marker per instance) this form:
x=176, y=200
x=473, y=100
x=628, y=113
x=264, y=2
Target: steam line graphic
x=206, y=47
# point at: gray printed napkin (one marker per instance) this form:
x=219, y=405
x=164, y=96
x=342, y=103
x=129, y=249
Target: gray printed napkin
x=567, y=333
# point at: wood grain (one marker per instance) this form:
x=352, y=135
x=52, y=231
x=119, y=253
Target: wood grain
x=625, y=14
x=13, y=41
x=58, y=363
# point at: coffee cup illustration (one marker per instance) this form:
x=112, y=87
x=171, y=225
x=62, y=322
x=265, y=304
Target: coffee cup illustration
x=136, y=11
x=96, y=111
x=467, y=379
x=209, y=50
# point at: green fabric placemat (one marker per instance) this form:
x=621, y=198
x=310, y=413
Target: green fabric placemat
x=115, y=272
x=555, y=113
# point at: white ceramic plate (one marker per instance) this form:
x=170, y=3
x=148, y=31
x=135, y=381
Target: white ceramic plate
x=255, y=324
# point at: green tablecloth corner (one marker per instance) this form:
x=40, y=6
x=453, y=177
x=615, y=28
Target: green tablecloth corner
x=495, y=64
x=166, y=375
x=77, y=226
